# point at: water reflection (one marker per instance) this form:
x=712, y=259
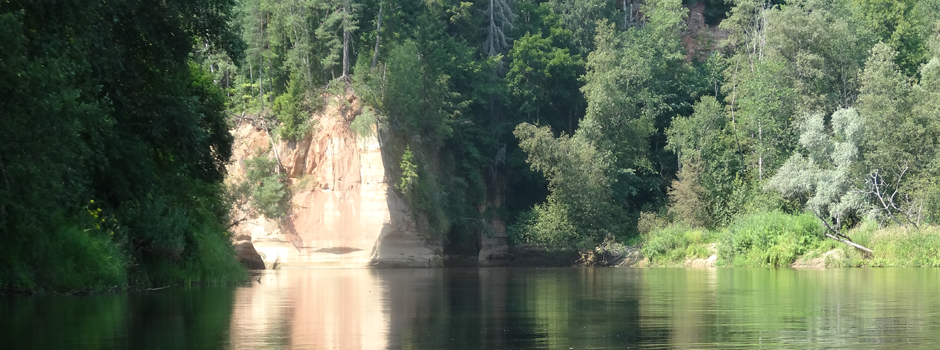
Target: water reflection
x=191, y=318
x=311, y=309
x=500, y=309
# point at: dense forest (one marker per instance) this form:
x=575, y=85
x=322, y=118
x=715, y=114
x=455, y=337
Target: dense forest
x=761, y=125
x=114, y=145
x=580, y=122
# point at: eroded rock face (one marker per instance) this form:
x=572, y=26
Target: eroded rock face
x=343, y=213
x=494, y=249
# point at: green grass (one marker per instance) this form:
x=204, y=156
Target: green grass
x=70, y=259
x=774, y=239
x=674, y=244
x=899, y=247
x=768, y=239
x=64, y=259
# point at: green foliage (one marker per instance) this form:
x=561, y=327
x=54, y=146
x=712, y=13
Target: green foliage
x=408, y=172
x=416, y=95
x=364, y=123
x=67, y=259
x=824, y=177
x=901, y=24
x=580, y=206
x=582, y=18
x=293, y=113
x=768, y=239
x=536, y=62
x=649, y=221
x=269, y=194
x=133, y=124
x=897, y=247
x=821, y=49
x=687, y=198
x=675, y=243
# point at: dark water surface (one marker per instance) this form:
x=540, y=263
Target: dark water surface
x=499, y=309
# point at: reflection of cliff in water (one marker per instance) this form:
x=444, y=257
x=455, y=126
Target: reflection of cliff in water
x=311, y=309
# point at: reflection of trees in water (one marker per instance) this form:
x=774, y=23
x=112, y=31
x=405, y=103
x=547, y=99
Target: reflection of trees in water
x=497, y=308
x=515, y=308
x=168, y=319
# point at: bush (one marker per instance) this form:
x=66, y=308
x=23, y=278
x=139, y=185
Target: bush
x=64, y=259
x=293, y=112
x=897, y=247
x=674, y=244
x=364, y=122
x=769, y=239
x=269, y=195
x=650, y=221
x=686, y=203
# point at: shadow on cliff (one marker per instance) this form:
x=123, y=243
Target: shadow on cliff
x=405, y=240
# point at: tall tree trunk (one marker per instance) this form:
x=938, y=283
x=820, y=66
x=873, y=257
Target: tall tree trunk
x=261, y=81
x=378, y=30
x=345, y=41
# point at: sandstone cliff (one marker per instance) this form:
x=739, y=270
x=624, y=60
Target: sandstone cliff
x=343, y=211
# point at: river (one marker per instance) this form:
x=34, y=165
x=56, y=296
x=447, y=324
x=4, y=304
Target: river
x=567, y=308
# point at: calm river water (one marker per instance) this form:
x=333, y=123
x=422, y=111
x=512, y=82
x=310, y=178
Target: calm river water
x=499, y=309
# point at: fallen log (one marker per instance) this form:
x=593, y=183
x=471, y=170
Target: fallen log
x=856, y=245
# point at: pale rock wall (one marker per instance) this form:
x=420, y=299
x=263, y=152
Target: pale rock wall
x=343, y=213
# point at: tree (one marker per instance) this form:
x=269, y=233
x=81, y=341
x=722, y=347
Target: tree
x=901, y=133
x=824, y=175
x=705, y=140
x=628, y=86
x=104, y=108
x=687, y=197
x=902, y=25
x=582, y=18
x=499, y=20
x=580, y=207
x=336, y=31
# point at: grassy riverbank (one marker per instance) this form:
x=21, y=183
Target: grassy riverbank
x=69, y=259
x=777, y=240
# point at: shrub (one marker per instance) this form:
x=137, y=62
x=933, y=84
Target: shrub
x=686, y=203
x=674, y=244
x=363, y=123
x=649, y=221
x=768, y=239
x=269, y=195
x=293, y=112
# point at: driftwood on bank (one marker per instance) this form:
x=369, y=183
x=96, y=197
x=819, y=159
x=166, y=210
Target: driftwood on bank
x=856, y=245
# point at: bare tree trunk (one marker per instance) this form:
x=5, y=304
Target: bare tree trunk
x=345, y=42
x=856, y=245
x=760, y=156
x=273, y=146
x=378, y=31
x=261, y=81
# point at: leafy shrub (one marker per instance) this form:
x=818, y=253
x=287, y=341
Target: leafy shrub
x=686, y=198
x=269, y=195
x=650, y=221
x=768, y=239
x=408, y=171
x=674, y=244
x=293, y=113
x=363, y=123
